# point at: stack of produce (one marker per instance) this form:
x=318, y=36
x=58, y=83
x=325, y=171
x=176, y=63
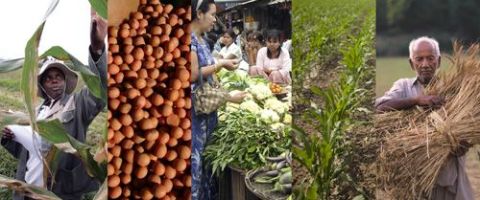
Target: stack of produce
x=149, y=104
x=250, y=131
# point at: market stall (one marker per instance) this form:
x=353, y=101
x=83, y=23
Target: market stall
x=251, y=137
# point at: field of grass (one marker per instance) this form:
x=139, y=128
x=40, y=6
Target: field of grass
x=390, y=69
x=11, y=99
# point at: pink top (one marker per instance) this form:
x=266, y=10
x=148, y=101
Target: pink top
x=283, y=63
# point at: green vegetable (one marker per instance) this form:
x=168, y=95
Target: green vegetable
x=276, y=105
x=269, y=116
x=243, y=140
x=250, y=106
x=260, y=91
x=286, y=178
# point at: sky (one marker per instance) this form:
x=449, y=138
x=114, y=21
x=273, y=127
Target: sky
x=68, y=26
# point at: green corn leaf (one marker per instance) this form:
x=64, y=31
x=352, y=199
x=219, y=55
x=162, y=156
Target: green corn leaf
x=9, y=117
x=54, y=132
x=28, y=190
x=29, y=73
x=100, y=6
x=11, y=65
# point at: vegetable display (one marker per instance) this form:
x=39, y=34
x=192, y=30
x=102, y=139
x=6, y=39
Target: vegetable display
x=249, y=132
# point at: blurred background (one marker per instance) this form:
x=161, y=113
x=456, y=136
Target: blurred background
x=400, y=21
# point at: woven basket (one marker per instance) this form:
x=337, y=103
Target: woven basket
x=262, y=191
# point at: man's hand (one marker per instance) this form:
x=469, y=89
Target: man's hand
x=98, y=32
x=7, y=134
x=431, y=101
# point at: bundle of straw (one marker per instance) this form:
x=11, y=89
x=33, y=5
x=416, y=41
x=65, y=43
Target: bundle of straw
x=419, y=142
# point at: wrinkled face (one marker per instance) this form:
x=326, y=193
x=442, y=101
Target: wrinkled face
x=53, y=82
x=207, y=20
x=227, y=39
x=424, y=62
x=273, y=44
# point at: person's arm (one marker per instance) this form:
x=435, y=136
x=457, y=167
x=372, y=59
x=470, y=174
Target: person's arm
x=237, y=51
x=396, y=99
x=9, y=143
x=286, y=63
x=260, y=58
x=12, y=147
x=251, y=59
x=89, y=104
x=397, y=104
x=429, y=101
x=207, y=70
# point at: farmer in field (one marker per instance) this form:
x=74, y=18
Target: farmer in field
x=56, y=84
x=452, y=181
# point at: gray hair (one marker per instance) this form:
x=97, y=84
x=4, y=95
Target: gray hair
x=431, y=41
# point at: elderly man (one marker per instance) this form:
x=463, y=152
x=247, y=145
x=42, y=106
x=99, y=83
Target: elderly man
x=75, y=110
x=452, y=181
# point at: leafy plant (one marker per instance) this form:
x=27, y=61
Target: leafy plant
x=244, y=141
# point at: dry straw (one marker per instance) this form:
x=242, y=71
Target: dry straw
x=418, y=142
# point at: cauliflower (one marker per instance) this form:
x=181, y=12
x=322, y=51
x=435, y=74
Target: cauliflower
x=269, y=116
x=250, y=106
x=287, y=119
x=277, y=127
x=248, y=97
x=276, y=105
x=222, y=118
x=241, y=74
x=260, y=91
x=231, y=107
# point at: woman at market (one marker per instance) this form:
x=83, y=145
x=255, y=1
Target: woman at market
x=230, y=50
x=202, y=61
x=273, y=62
x=254, y=43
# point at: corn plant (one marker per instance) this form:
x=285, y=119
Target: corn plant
x=53, y=131
x=323, y=153
x=320, y=31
